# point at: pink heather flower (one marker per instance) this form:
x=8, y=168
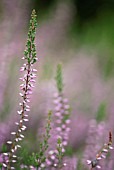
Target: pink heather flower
x=34, y=70
x=88, y=162
x=58, y=114
x=66, y=107
x=68, y=121
x=99, y=167
x=48, y=162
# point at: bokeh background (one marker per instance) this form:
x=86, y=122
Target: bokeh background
x=80, y=35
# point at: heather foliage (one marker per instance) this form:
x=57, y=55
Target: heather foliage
x=54, y=147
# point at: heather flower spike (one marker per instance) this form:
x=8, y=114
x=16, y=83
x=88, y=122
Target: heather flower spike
x=61, y=124
x=40, y=158
x=102, y=154
x=62, y=109
x=26, y=88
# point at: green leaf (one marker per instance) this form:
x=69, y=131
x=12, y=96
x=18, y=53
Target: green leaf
x=34, y=60
x=4, y=148
x=26, y=53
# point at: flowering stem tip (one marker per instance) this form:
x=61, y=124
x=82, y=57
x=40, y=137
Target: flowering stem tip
x=59, y=79
x=102, y=154
x=26, y=87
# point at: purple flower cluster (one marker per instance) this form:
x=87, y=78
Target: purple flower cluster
x=95, y=163
x=61, y=127
x=62, y=117
x=95, y=134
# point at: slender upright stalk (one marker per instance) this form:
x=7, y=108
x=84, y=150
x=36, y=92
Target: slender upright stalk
x=44, y=145
x=26, y=87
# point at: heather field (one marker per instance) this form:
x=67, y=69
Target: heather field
x=56, y=88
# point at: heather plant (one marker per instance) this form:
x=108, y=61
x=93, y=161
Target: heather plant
x=102, y=154
x=52, y=148
x=61, y=124
x=44, y=145
x=96, y=134
x=26, y=88
x=38, y=160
